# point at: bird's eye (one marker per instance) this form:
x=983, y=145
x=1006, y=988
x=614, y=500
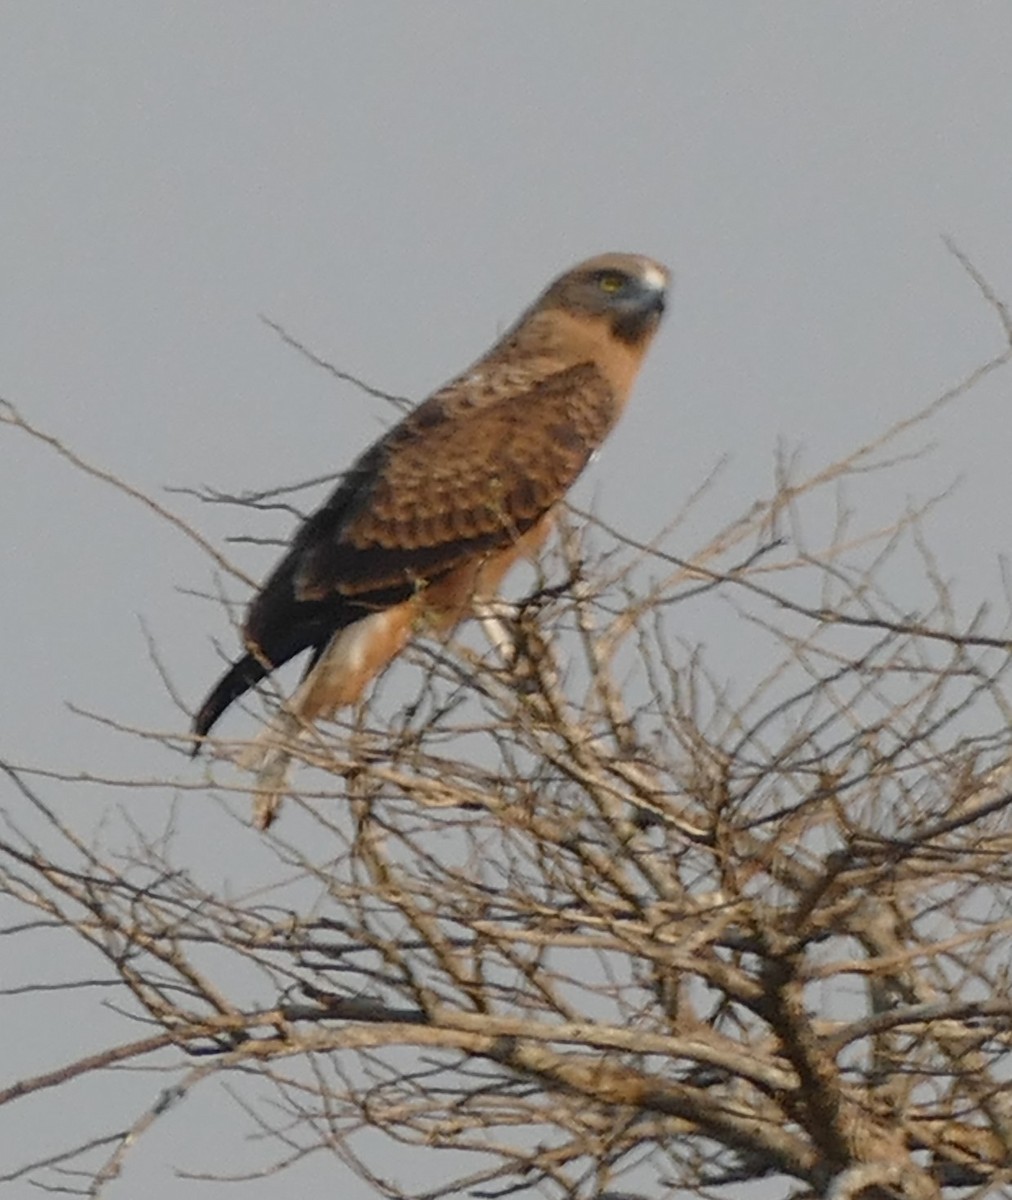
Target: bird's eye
x=611, y=282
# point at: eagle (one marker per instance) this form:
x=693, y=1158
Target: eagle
x=426, y=522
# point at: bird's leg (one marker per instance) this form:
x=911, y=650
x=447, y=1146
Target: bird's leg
x=270, y=755
x=524, y=652
x=493, y=615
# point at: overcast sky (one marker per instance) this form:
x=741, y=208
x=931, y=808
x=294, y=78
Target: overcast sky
x=393, y=182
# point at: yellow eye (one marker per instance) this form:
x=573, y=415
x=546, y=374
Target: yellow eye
x=611, y=282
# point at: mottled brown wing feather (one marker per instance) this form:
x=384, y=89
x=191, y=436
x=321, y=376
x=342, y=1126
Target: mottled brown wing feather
x=448, y=484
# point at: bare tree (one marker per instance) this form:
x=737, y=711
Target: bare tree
x=598, y=921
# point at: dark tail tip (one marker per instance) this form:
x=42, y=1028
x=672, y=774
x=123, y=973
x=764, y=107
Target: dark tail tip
x=240, y=677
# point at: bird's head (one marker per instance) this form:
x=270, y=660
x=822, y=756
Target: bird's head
x=628, y=291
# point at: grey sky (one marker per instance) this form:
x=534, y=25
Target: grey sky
x=393, y=181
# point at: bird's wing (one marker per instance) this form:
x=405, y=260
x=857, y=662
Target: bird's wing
x=450, y=483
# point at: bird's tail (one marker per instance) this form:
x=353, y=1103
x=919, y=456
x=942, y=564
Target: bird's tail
x=247, y=671
x=340, y=666
x=237, y=680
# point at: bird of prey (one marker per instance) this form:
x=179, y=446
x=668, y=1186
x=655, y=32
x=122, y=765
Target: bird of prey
x=428, y=520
